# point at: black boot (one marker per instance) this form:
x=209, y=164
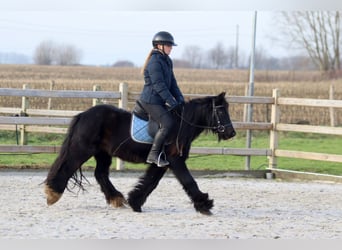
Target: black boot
x=156, y=155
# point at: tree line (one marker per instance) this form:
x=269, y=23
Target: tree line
x=318, y=33
x=51, y=53
x=220, y=57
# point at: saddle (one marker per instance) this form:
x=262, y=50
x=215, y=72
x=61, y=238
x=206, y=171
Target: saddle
x=143, y=128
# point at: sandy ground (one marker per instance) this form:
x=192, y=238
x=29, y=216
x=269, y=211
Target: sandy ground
x=245, y=208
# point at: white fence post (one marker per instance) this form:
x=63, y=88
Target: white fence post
x=52, y=85
x=96, y=101
x=24, y=106
x=123, y=103
x=275, y=116
x=331, y=109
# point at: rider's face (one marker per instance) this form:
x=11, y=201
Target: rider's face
x=166, y=48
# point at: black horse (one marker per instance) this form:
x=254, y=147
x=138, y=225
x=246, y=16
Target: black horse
x=103, y=131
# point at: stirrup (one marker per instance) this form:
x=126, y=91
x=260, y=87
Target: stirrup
x=164, y=161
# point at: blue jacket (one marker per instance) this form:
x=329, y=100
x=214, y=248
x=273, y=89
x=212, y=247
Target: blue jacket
x=160, y=83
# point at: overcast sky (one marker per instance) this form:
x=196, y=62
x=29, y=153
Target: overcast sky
x=107, y=31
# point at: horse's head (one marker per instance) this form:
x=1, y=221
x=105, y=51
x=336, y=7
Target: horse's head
x=222, y=125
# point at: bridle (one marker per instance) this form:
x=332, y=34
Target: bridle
x=219, y=128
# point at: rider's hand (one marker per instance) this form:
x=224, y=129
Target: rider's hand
x=177, y=109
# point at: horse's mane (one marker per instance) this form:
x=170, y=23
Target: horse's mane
x=196, y=117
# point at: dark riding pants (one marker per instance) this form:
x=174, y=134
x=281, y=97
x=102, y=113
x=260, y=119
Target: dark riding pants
x=163, y=117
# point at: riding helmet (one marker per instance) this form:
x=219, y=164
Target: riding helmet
x=164, y=38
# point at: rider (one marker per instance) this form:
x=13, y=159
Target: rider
x=161, y=93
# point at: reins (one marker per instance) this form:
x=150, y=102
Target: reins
x=220, y=128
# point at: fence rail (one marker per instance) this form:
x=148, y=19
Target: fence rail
x=275, y=117
x=56, y=121
x=60, y=93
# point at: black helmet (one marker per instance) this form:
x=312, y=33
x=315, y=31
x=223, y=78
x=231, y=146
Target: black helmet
x=164, y=38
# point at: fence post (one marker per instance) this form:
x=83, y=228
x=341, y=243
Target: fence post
x=275, y=116
x=96, y=101
x=245, y=106
x=123, y=103
x=331, y=109
x=24, y=106
x=52, y=84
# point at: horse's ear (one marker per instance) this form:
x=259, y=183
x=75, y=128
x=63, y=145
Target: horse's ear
x=222, y=95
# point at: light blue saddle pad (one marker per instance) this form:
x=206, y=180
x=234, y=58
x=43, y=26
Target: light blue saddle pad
x=139, y=131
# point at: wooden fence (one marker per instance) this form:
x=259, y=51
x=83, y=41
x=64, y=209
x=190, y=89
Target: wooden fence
x=34, y=120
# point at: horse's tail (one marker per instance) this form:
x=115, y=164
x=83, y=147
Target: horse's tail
x=55, y=170
x=63, y=153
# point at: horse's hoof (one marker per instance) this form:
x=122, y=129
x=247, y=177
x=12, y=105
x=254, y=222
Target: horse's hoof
x=118, y=202
x=51, y=196
x=137, y=209
x=134, y=207
x=207, y=212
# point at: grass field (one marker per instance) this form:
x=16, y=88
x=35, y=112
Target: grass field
x=291, y=84
x=291, y=141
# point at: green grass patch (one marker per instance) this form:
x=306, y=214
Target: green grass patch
x=288, y=140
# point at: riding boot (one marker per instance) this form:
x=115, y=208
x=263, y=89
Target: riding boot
x=156, y=155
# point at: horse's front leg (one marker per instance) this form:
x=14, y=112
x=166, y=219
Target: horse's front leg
x=201, y=201
x=146, y=184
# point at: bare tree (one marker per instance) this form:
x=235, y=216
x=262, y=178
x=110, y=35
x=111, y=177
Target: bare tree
x=67, y=55
x=232, y=61
x=193, y=54
x=318, y=32
x=48, y=52
x=44, y=53
x=263, y=60
x=218, y=56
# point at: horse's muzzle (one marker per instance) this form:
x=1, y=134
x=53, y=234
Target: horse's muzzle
x=228, y=133
x=232, y=134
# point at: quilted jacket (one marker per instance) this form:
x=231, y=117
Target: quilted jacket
x=160, y=83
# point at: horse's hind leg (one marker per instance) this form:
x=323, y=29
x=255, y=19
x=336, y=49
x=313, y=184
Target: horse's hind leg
x=61, y=171
x=147, y=183
x=113, y=196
